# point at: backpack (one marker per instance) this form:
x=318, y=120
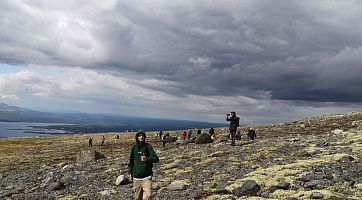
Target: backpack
x=237, y=121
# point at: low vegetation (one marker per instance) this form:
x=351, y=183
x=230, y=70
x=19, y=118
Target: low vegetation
x=314, y=158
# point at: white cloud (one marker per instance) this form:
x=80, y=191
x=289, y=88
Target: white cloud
x=181, y=58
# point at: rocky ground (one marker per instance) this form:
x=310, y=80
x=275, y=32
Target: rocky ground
x=314, y=158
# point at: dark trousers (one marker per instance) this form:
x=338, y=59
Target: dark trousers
x=232, y=134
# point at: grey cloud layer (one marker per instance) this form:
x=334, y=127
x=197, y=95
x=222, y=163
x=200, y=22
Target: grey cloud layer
x=287, y=50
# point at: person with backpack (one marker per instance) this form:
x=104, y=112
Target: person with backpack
x=164, y=140
x=90, y=142
x=142, y=157
x=212, y=133
x=189, y=134
x=103, y=139
x=234, y=124
x=251, y=134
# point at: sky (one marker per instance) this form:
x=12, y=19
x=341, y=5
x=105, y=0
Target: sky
x=269, y=61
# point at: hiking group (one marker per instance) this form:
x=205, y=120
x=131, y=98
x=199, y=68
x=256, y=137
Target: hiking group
x=142, y=154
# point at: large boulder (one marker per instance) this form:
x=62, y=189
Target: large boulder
x=170, y=139
x=203, y=139
x=89, y=155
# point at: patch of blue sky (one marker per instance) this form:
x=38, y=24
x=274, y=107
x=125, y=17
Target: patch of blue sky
x=6, y=69
x=43, y=70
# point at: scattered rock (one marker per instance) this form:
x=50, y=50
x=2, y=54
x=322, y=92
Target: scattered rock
x=203, y=139
x=56, y=186
x=171, y=139
x=249, y=188
x=314, y=184
x=337, y=131
x=89, y=155
x=294, y=139
x=105, y=193
x=178, y=185
x=316, y=195
x=122, y=179
x=155, y=186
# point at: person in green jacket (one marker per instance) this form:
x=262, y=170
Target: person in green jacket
x=140, y=165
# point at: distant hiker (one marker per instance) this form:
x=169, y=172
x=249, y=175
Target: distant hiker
x=142, y=157
x=90, y=142
x=160, y=135
x=212, y=133
x=203, y=131
x=103, y=139
x=198, y=132
x=251, y=134
x=117, y=137
x=164, y=140
x=184, y=135
x=189, y=134
x=234, y=123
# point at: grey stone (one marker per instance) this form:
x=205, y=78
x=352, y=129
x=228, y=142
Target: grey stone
x=105, y=193
x=265, y=194
x=249, y=188
x=56, y=186
x=314, y=184
x=122, y=179
x=283, y=185
x=221, y=191
x=89, y=155
x=155, y=186
x=175, y=186
x=170, y=139
x=316, y=195
x=203, y=139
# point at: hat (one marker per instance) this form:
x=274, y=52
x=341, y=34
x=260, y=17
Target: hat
x=140, y=132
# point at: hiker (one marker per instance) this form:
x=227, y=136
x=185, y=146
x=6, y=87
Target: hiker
x=251, y=134
x=90, y=142
x=234, y=123
x=184, y=135
x=198, y=132
x=160, y=135
x=117, y=137
x=142, y=157
x=189, y=134
x=103, y=139
x=164, y=139
x=212, y=133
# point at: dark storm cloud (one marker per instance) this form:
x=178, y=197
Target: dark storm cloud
x=287, y=50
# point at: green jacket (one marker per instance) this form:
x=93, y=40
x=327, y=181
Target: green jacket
x=136, y=167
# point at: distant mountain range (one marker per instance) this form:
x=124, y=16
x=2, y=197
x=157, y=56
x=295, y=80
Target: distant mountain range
x=77, y=122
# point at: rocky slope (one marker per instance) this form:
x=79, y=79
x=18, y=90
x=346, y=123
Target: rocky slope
x=314, y=158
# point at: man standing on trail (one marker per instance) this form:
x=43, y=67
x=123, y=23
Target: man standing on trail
x=234, y=123
x=140, y=165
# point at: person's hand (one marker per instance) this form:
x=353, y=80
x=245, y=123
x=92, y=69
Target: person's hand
x=143, y=157
x=130, y=177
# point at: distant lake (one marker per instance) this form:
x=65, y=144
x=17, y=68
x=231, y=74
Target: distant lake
x=27, y=129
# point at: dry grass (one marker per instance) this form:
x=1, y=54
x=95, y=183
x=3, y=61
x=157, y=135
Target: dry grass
x=33, y=152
